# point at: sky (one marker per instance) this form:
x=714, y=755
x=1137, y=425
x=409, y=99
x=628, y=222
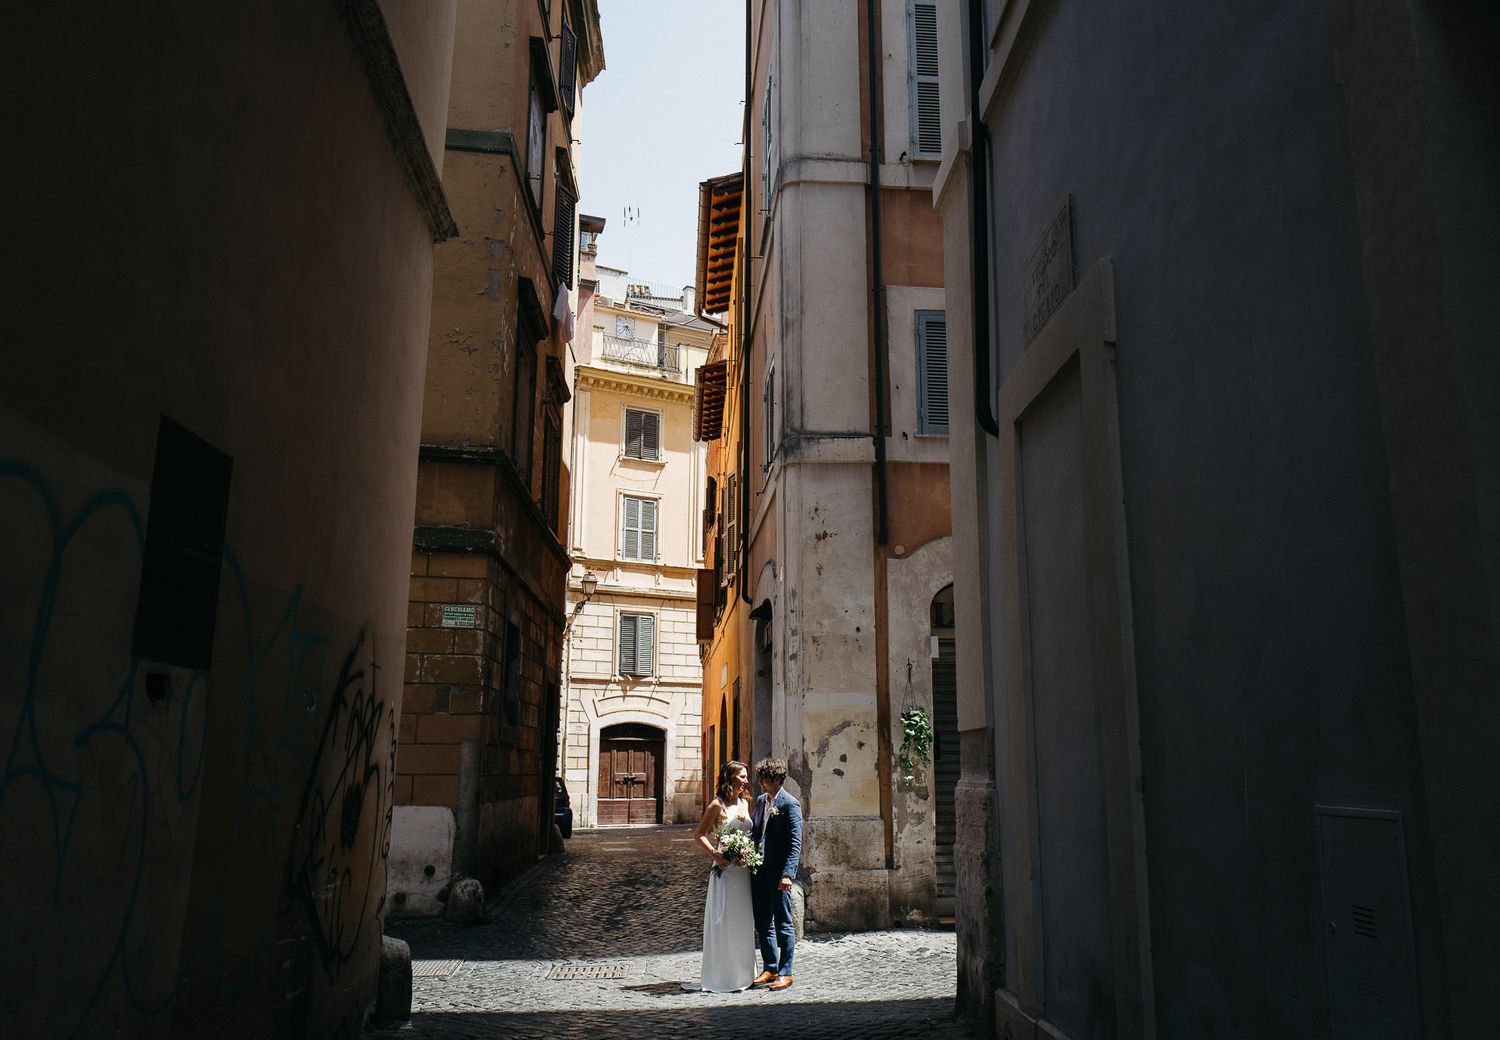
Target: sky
x=663, y=115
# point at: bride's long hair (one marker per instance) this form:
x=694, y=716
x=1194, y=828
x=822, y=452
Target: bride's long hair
x=727, y=779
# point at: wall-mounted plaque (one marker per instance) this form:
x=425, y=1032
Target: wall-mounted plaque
x=1049, y=272
x=460, y=615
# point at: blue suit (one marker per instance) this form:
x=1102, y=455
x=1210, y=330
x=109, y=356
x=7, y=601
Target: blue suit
x=779, y=836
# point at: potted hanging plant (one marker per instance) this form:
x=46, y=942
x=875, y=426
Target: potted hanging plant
x=916, y=742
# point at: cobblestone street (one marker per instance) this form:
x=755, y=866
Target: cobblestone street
x=632, y=900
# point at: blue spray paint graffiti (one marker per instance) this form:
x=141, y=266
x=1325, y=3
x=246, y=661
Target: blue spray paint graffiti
x=334, y=850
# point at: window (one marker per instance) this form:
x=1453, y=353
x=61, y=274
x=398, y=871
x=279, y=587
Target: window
x=926, y=116
x=551, y=472
x=637, y=644
x=642, y=435
x=729, y=526
x=564, y=211
x=932, y=372
x=523, y=414
x=765, y=169
x=638, y=529
x=769, y=401
x=536, y=140
x=567, y=67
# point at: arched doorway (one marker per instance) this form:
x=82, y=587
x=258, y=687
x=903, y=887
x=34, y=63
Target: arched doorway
x=631, y=756
x=944, y=745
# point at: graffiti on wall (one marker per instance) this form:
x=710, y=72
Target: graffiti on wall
x=255, y=798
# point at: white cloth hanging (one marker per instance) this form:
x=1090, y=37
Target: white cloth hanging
x=562, y=312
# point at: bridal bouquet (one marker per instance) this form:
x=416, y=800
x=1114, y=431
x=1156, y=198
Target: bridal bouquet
x=738, y=848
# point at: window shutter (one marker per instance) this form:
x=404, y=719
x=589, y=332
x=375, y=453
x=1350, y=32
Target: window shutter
x=770, y=410
x=650, y=435
x=932, y=372
x=648, y=529
x=926, y=116
x=562, y=233
x=731, y=527
x=645, y=644
x=631, y=543
x=627, y=644
x=567, y=68
x=634, y=432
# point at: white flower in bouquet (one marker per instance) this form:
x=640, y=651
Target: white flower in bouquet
x=739, y=849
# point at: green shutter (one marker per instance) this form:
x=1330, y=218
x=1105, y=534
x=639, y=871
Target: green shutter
x=932, y=372
x=926, y=112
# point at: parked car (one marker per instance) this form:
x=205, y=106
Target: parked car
x=562, y=807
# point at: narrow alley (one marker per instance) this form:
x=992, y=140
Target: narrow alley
x=627, y=907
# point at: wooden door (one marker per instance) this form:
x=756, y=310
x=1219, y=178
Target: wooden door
x=630, y=760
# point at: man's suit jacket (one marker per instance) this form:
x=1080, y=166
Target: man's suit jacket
x=779, y=835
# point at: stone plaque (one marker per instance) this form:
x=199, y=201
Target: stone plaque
x=1049, y=272
x=460, y=615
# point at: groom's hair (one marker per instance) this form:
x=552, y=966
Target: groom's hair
x=773, y=769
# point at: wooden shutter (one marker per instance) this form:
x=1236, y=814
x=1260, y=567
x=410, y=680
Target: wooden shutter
x=563, y=234
x=551, y=472
x=926, y=115
x=567, y=68
x=932, y=372
x=634, y=426
x=731, y=513
x=627, y=644
x=650, y=435
x=706, y=590
x=648, y=529
x=630, y=542
x=645, y=644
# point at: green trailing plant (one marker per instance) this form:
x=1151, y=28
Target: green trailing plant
x=916, y=743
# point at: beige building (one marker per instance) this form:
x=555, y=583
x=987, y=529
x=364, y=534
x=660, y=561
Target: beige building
x=834, y=565
x=630, y=746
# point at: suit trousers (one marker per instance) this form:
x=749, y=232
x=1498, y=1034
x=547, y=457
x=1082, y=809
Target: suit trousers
x=774, y=930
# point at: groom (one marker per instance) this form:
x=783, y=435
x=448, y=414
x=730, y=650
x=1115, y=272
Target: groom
x=777, y=829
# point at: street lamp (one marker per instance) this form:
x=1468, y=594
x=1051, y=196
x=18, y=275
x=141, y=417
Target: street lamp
x=590, y=585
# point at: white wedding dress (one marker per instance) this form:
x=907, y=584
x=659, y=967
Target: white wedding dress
x=728, y=927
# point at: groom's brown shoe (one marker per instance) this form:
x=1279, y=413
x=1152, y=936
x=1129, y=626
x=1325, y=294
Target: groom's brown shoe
x=782, y=982
x=764, y=977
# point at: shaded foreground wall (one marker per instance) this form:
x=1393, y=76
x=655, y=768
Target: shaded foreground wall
x=1237, y=532
x=212, y=356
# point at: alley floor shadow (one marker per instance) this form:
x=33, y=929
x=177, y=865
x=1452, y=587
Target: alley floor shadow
x=930, y=1019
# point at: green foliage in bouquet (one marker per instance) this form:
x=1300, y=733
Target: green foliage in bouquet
x=738, y=848
x=916, y=743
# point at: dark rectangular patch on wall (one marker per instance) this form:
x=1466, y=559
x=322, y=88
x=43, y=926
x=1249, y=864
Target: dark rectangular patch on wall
x=179, y=597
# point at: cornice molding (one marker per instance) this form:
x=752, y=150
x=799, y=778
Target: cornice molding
x=591, y=378
x=372, y=42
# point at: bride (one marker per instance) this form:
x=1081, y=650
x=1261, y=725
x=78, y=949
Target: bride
x=728, y=921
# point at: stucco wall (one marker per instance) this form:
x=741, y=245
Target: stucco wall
x=180, y=824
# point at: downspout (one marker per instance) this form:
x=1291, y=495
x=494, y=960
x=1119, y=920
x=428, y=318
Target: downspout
x=745, y=298
x=877, y=275
x=979, y=209
x=882, y=490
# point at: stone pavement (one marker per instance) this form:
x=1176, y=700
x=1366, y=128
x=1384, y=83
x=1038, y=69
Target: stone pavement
x=630, y=903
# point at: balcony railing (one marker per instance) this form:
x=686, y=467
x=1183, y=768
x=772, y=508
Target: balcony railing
x=645, y=353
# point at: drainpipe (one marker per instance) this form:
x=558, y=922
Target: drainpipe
x=979, y=210
x=877, y=273
x=745, y=297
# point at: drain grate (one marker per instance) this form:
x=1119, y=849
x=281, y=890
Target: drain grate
x=574, y=972
x=434, y=969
